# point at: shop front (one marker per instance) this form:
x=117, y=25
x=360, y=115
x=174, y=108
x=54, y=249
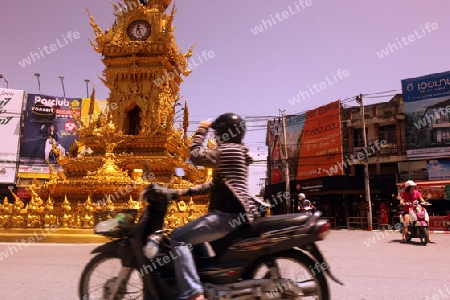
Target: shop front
x=343, y=197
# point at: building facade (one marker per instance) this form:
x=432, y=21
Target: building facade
x=341, y=195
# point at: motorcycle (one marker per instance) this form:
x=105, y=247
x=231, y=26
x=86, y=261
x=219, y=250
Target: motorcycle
x=276, y=257
x=307, y=208
x=418, y=224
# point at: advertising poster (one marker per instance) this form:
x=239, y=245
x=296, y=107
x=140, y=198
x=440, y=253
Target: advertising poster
x=427, y=115
x=294, y=128
x=321, y=143
x=11, y=102
x=438, y=169
x=275, y=155
x=313, y=144
x=47, y=120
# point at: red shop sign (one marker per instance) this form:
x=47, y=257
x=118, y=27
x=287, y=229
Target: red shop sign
x=23, y=193
x=438, y=223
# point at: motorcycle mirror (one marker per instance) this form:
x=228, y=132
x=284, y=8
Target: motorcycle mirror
x=179, y=172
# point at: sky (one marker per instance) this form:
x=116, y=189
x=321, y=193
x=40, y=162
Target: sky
x=265, y=53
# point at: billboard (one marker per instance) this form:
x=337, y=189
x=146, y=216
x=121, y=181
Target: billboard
x=427, y=115
x=321, y=143
x=438, y=169
x=11, y=102
x=294, y=128
x=313, y=144
x=47, y=119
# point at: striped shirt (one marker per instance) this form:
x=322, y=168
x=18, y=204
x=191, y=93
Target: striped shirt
x=229, y=185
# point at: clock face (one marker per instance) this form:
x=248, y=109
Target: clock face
x=139, y=30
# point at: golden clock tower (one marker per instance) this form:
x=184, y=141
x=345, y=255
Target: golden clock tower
x=143, y=66
x=143, y=70
x=103, y=170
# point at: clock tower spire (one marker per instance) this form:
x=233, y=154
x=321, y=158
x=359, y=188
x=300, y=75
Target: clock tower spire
x=143, y=66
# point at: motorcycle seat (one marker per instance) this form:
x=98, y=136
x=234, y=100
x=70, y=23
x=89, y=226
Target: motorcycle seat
x=269, y=223
x=246, y=231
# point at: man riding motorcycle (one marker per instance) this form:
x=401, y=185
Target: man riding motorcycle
x=229, y=196
x=305, y=205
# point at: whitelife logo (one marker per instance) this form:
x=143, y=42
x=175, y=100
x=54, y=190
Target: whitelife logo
x=49, y=49
x=404, y=41
x=431, y=119
x=26, y=242
x=266, y=24
x=316, y=88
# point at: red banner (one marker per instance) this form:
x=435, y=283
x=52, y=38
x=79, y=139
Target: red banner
x=321, y=143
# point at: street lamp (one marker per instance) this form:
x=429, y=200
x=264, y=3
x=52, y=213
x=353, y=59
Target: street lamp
x=87, y=87
x=360, y=100
x=1, y=76
x=39, y=82
x=62, y=83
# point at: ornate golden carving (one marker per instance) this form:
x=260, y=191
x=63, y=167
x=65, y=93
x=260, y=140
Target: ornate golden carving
x=105, y=164
x=67, y=219
x=190, y=210
x=5, y=212
x=172, y=221
x=49, y=218
x=18, y=206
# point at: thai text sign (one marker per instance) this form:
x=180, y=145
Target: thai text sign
x=11, y=102
x=321, y=142
x=427, y=115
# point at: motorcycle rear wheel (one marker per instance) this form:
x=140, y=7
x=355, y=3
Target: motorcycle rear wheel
x=100, y=274
x=423, y=236
x=302, y=272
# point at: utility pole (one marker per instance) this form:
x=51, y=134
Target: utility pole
x=286, y=164
x=360, y=100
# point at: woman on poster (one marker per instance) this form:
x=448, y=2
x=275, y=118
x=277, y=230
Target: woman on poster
x=51, y=137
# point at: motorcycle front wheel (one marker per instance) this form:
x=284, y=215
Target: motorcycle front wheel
x=100, y=275
x=299, y=269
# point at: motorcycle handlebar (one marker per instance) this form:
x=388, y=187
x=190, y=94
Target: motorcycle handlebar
x=158, y=192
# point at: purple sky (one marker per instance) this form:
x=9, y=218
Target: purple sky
x=250, y=74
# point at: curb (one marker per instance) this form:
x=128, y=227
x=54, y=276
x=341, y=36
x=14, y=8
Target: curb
x=388, y=230
x=41, y=235
x=85, y=236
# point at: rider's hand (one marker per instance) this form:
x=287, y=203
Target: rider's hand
x=157, y=192
x=206, y=123
x=185, y=192
x=173, y=194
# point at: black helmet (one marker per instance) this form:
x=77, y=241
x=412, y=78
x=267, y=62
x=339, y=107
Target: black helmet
x=229, y=127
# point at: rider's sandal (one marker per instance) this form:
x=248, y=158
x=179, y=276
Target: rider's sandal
x=403, y=242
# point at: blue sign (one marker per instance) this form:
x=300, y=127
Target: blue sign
x=426, y=87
